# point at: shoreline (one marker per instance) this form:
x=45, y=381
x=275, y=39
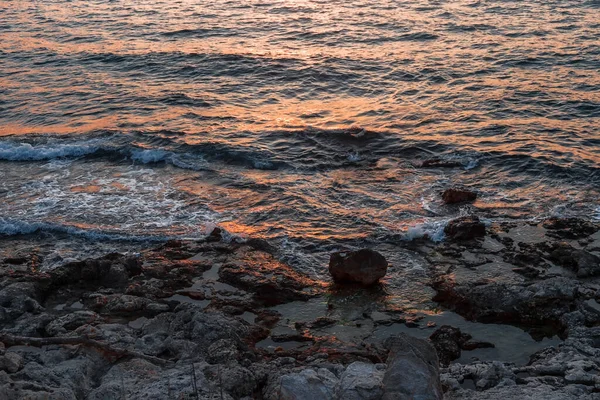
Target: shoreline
x=209, y=318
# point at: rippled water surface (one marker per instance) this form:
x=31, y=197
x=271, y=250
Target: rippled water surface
x=300, y=121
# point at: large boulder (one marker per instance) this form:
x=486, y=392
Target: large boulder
x=465, y=228
x=361, y=381
x=363, y=266
x=458, y=195
x=308, y=384
x=412, y=370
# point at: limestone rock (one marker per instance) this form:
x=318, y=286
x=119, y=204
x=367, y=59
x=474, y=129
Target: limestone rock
x=413, y=370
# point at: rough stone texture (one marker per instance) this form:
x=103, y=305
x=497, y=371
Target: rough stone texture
x=465, y=228
x=458, y=195
x=449, y=341
x=541, y=302
x=412, y=370
x=71, y=322
x=271, y=281
x=569, y=228
x=583, y=263
x=207, y=349
x=11, y=362
x=308, y=384
x=361, y=381
x=363, y=266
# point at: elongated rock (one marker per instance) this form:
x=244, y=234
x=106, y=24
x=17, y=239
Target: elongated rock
x=412, y=370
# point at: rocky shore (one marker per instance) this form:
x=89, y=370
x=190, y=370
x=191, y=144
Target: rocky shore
x=216, y=319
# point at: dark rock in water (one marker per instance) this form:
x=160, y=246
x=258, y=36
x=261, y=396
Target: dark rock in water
x=363, y=266
x=440, y=163
x=215, y=236
x=569, y=228
x=449, y=341
x=458, y=195
x=465, y=228
x=543, y=302
x=583, y=263
x=412, y=370
x=262, y=245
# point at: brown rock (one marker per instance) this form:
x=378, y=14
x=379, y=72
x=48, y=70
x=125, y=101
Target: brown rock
x=465, y=228
x=363, y=266
x=458, y=195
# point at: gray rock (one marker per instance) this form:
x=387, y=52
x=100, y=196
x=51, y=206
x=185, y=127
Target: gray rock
x=583, y=263
x=11, y=362
x=19, y=298
x=71, y=322
x=412, y=370
x=364, y=266
x=308, y=384
x=361, y=381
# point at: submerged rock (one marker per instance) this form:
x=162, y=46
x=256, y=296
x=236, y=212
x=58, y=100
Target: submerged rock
x=363, y=266
x=439, y=163
x=465, y=228
x=412, y=370
x=449, y=341
x=458, y=195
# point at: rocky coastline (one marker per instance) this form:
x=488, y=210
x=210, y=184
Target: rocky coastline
x=202, y=320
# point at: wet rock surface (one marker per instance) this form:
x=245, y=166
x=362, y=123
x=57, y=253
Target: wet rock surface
x=458, y=195
x=449, y=341
x=365, y=266
x=210, y=319
x=465, y=228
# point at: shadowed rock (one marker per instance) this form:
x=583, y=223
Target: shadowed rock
x=363, y=266
x=449, y=341
x=465, y=228
x=412, y=370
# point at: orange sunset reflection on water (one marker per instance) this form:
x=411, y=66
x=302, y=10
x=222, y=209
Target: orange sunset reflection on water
x=298, y=121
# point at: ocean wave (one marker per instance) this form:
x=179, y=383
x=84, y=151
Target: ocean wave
x=15, y=151
x=14, y=227
x=10, y=227
x=432, y=230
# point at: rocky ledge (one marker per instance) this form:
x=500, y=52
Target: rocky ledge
x=185, y=320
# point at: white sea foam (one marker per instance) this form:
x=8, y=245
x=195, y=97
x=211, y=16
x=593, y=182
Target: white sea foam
x=14, y=151
x=354, y=157
x=150, y=155
x=434, y=230
x=12, y=227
